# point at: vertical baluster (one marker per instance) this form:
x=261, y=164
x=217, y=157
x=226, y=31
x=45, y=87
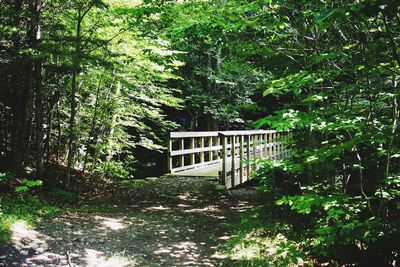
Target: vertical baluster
x=222, y=139
x=201, y=149
x=269, y=145
x=254, y=152
x=283, y=145
x=241, y=139
x=272, y=146
x=169, y=160
x=248, y=159
x=265, y=145
x=254, y=146
x=210, y=144
x=275, y=147
x=233, y=159
x=278, y=145
x=285, y=155
x=217, y=153
x=181, y=147
x=192, y=155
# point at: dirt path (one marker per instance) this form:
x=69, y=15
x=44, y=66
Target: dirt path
x=168, y=222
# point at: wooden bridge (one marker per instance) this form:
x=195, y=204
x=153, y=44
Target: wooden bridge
x=229, y=155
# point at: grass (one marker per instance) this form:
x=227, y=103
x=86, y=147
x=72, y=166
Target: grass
x=27, y=208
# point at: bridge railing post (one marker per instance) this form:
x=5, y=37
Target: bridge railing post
x=272, y=145
x=248, y=159
x=241, y=139
x=254, y=146
x=265, y=145
x=269, y=141
x=192, y=155
x=210, y=144
x=223, y=141
x=279, y=146
x=181, y=147
x=201, y=157
x=169, y=156
x=233, y=160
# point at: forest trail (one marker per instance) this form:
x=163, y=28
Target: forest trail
x=168, y=222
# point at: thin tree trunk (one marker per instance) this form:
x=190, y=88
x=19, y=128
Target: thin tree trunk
x=71, y=138
x=48, y=137
x=101, y=133
x=37, y=82
x=116, y=92
x=92, y=127
x=74, y=88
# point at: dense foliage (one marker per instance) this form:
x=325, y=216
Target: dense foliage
x=342, y=79
x=93, y=86
x=83, y=87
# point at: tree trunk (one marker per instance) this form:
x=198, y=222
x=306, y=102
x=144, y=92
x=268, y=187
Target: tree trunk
x=36, y=6
x=71, y=138
x=116, y=92
x=74, y=87
x=92, y=133
x=22, y=105
x=48, y=136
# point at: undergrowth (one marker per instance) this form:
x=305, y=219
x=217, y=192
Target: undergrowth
x=28, y=208
x=264, y=236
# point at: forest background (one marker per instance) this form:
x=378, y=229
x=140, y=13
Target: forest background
x=95, y=87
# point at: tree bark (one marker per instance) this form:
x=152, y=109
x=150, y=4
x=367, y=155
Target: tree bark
x=22, y=95
x=36, y=7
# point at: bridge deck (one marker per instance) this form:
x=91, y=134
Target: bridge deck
x=216, y=170
x=206, y=171
x=212, y=170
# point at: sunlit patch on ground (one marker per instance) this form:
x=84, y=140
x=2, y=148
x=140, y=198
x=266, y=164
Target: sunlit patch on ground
x=162, y=250
x=110, y=223
x=201, y=210
x=187, y=196
x=31, y=246
x=157, y=208
x=24, y=238
x=94, y=258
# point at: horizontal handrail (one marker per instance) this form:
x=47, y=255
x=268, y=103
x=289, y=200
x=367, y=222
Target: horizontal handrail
x=249, y=132
x=216, y=133
x=192, y=134
x=212, y=148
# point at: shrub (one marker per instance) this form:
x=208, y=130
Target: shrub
x=63, y=196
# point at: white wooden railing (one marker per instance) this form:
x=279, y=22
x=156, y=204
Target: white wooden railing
x=234, y=152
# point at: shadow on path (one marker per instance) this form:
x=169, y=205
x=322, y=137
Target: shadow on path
x=170, y=222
